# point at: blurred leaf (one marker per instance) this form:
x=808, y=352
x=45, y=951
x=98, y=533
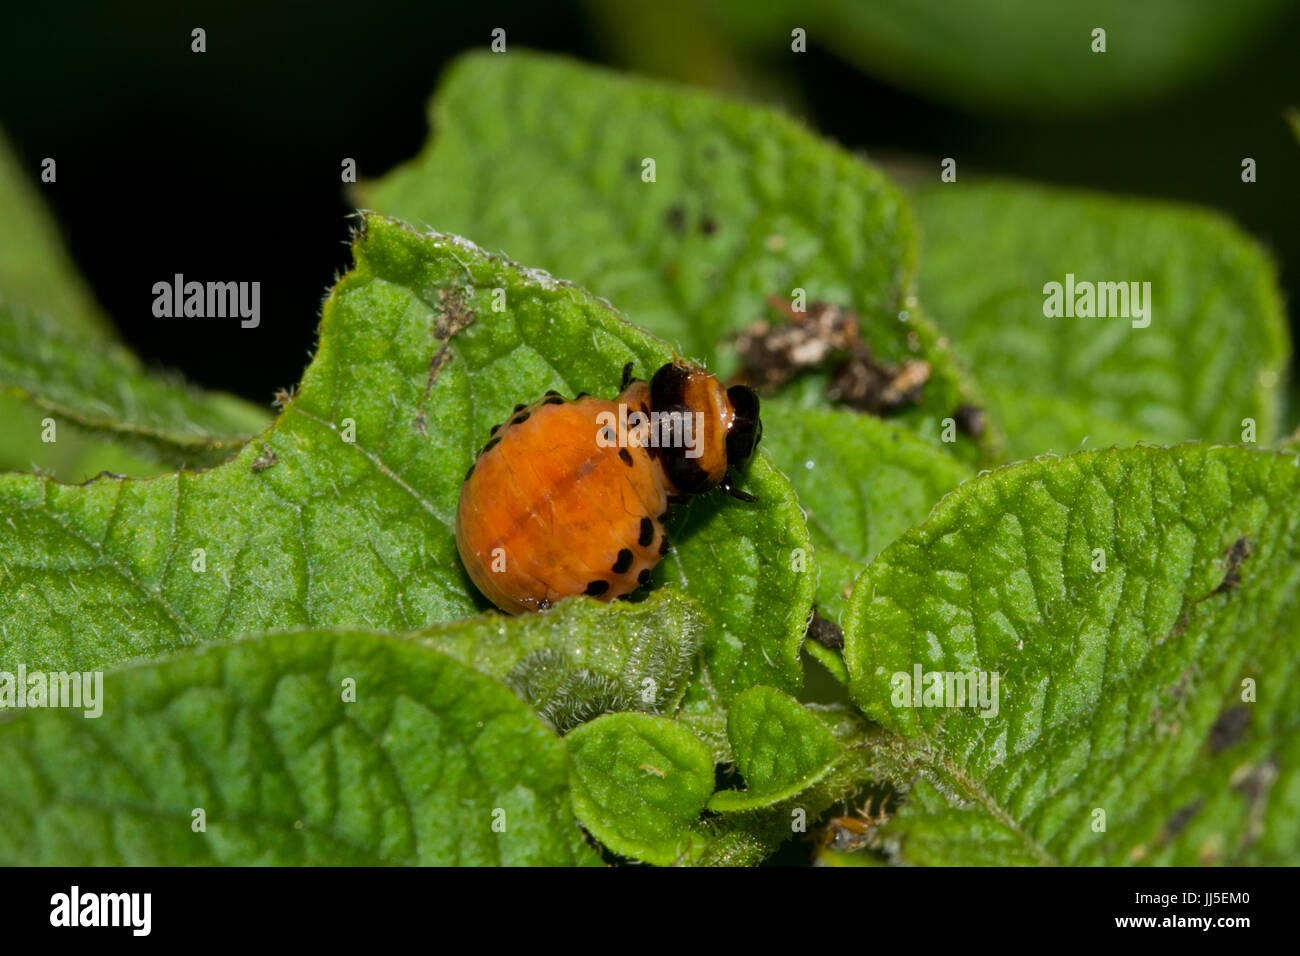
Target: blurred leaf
x=1121, y=689
x=35, y=270
x=745, y=203
x=639, y=784
x=431, y=764
x=584, y=658
x=1018, y=56
x=104, y=389
x=1215, y=352
x=76, y=456
x=304, y=528
x=781, y=749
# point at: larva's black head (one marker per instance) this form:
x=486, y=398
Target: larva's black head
x=746, y=427
x=724, y=427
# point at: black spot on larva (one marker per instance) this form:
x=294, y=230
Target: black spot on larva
x=625, y=456
x=596, y=588
x=495, y=429
x=490, y=445
x=543, y=604
x=519, y=419
x=685, y=473
x=581, y=395
x=643, y=578
x=624, y=561
x=550, y=392
x=647, y=533
x=470, y=472
x=663, y=545
x=554, y=400
x=519, y=408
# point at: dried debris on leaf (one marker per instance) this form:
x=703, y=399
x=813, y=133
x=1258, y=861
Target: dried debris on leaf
x=827, y=337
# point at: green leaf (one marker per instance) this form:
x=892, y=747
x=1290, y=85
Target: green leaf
x=836, y=574
x=1122, y=687
x=745, y=203
x=704, y=713
x=432, y=763
x=1019, y=56
x=76, y=456
x=304, y=528
x=584, y=658
x=104, y=389
x=639, y=784
x=864, y=754
x=1215, y=352
x=738, y=560
x=861, y=482
x=781, y=749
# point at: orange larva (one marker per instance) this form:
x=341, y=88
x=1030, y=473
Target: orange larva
x=570, y=496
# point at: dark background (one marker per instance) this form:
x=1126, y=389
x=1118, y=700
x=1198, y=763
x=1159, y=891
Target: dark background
x=225, y=165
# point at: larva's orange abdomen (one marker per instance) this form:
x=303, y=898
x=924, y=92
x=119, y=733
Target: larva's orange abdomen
x=548, y=512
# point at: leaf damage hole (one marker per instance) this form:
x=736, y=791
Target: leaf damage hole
x=1235, y=555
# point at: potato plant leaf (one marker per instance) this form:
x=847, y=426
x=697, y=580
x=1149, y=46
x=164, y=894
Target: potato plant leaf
x=1210, y=364
x=639, y=783
x=308, y=747
x=861, y=482
x=584, y=658
x=1104, y=643
x=781, y=749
